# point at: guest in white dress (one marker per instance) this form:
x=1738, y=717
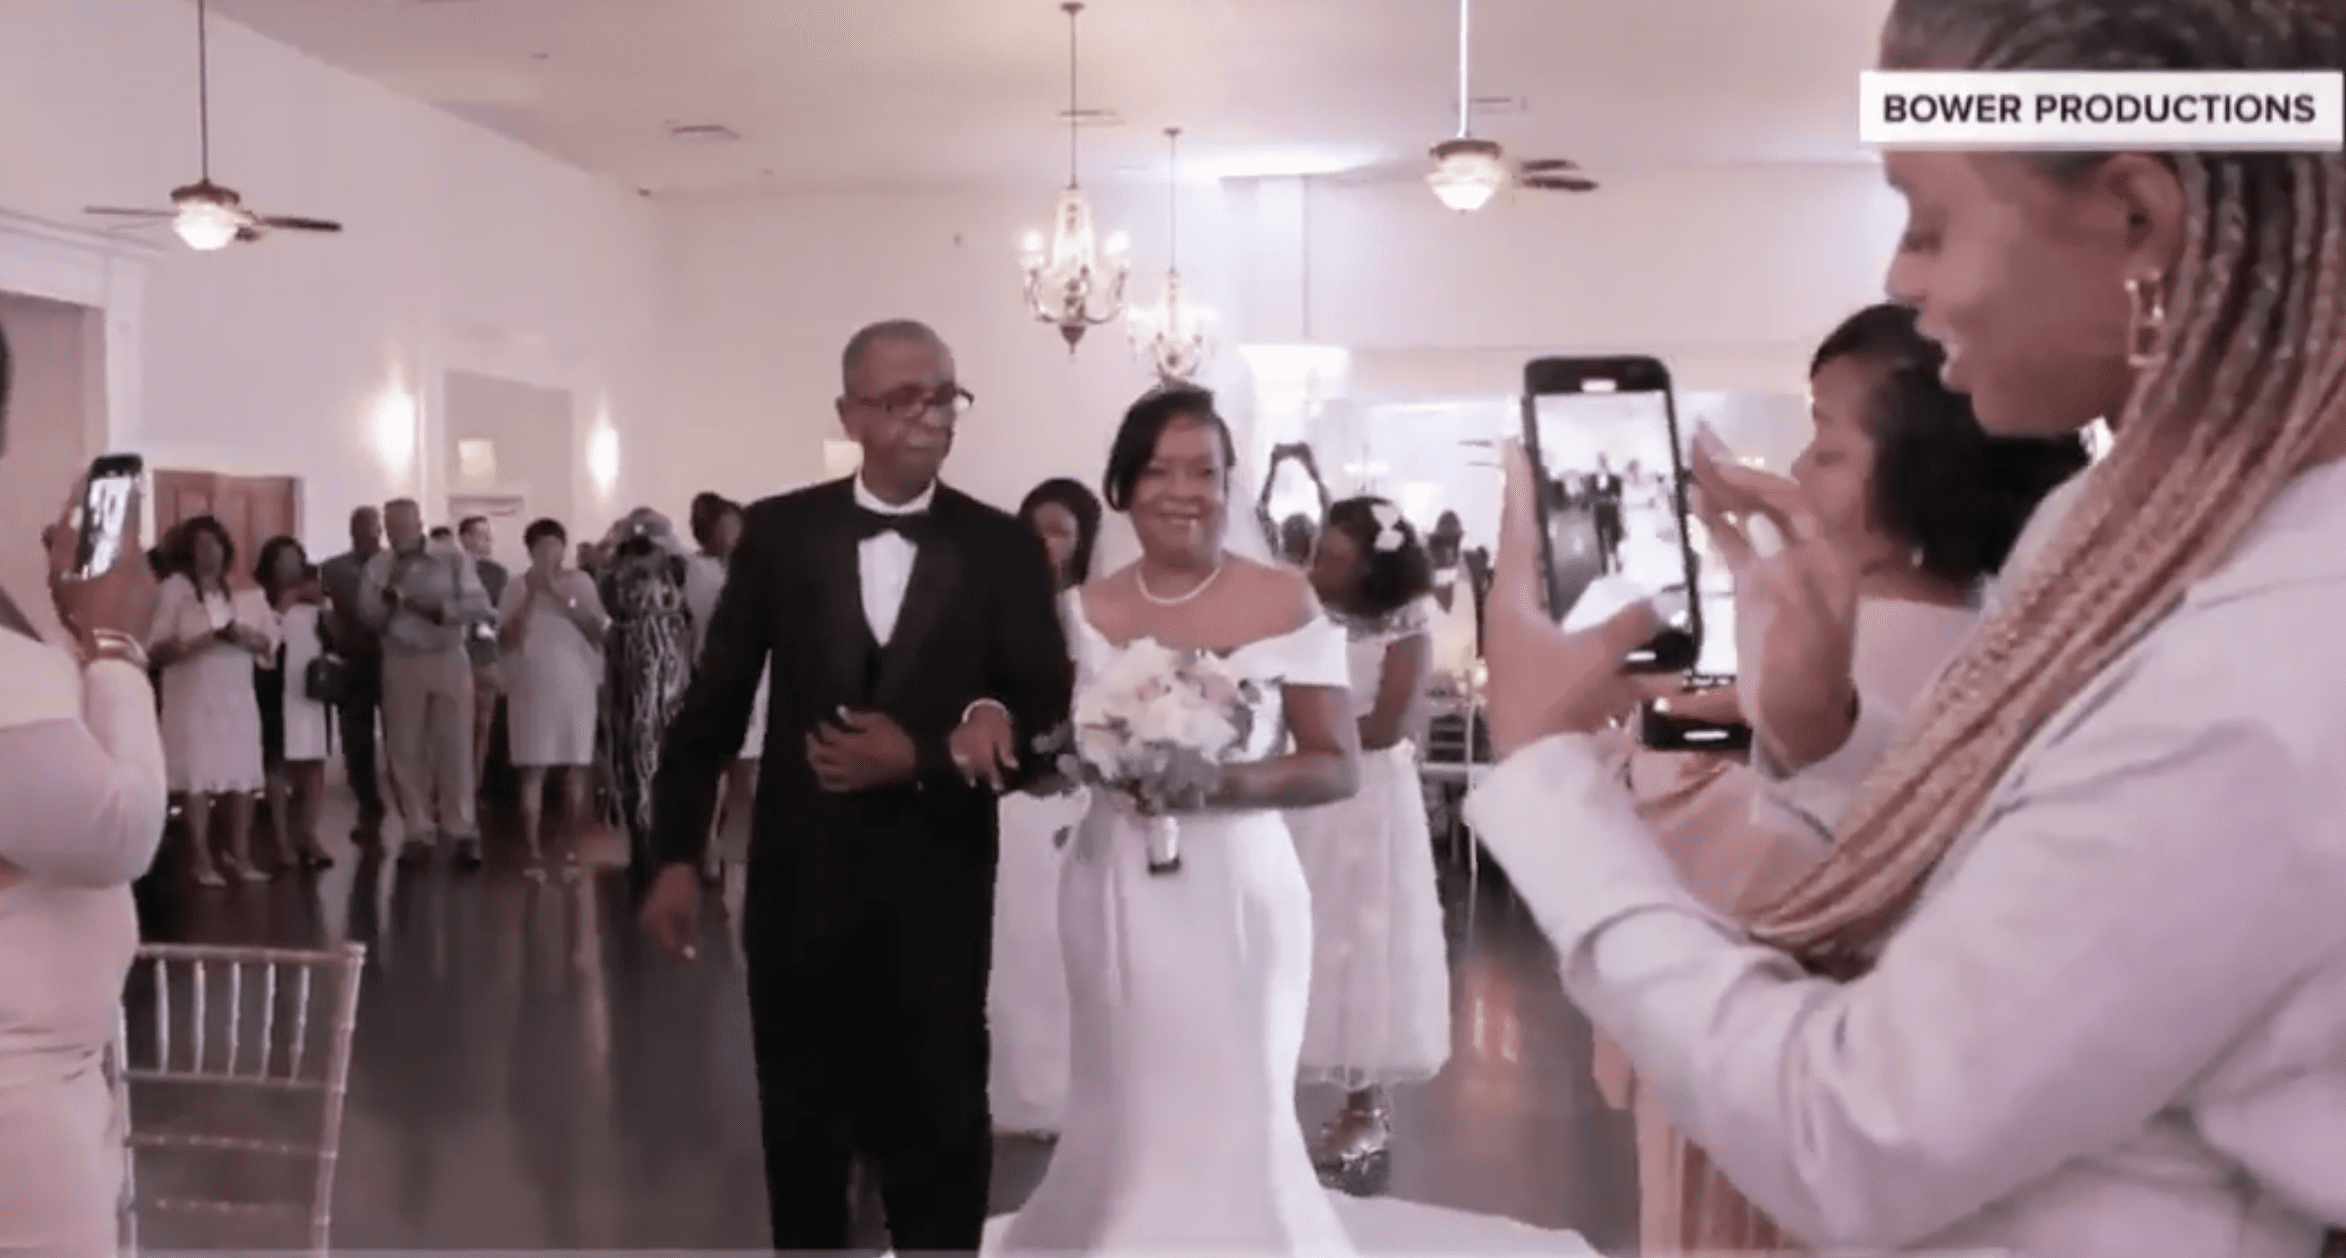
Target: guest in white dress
x=716, y=528
x=293, y=725
x=1926, y=507
x=1026, y=1002
x=551, y=628
x=208, y=638
x=2072, y=979
x=81, y=769
x=1380, y=996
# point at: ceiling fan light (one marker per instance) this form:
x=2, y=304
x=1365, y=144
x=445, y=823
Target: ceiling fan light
x=207, y=226
x=1467, y=173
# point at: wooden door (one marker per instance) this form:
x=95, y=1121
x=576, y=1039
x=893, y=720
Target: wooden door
x=252, y=508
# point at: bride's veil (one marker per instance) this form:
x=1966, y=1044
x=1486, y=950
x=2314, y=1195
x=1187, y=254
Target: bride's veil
x=1242, y=527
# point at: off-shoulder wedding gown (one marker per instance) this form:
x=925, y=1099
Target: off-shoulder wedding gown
x=1187, y=999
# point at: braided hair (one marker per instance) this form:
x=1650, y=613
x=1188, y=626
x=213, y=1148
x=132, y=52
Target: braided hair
x=2244, y=389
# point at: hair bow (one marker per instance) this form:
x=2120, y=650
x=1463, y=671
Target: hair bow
x=1389, y=536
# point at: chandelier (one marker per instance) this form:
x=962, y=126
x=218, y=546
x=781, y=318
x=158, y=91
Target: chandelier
x=1468, y=171
x=1175, y=336
x=1075, y=283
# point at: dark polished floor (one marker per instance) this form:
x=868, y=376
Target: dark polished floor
x=527, y=1074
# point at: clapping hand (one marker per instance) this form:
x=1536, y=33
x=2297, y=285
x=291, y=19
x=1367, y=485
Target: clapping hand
x=1544, y=680
x=858, y=751
x=1800, y=588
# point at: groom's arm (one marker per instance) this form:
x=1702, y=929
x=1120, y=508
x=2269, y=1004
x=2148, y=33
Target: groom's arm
x=709, y=727
x=1029, y=674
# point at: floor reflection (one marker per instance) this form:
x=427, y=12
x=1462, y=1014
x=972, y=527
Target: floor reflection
x=527, y=1074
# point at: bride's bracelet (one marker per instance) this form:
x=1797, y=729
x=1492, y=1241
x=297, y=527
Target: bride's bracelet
x=113, y=644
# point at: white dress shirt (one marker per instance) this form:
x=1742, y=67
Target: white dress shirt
x=884, y=562
x=2115, y=1024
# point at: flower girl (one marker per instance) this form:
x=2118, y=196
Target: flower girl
x=1380, y=997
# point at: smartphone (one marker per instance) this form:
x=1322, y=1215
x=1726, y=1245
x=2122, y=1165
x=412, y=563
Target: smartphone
x=1669, y=731
x=115, y=496
x=1602, y=436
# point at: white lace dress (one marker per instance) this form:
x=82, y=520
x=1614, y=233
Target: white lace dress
x=1380, y=992
x=211, y=712
x=1187, y=998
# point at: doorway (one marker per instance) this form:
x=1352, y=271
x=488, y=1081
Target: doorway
x=252, y=508
x=56, y=425
x=510, y=449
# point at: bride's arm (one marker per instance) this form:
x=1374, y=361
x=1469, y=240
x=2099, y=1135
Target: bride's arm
x=1323, y=767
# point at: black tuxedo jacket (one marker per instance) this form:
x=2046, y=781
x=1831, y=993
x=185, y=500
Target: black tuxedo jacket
x=979, y=621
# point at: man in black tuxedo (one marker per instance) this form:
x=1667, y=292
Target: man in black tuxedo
x=915, y=647
x=1605, y=496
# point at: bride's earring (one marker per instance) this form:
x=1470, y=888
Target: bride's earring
x=2146, y=320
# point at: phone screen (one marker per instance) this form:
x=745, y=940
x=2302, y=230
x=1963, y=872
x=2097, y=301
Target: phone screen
x=116, y=489
x=1613, y=527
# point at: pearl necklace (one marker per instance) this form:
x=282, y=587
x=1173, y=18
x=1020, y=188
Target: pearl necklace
x=1141, y=583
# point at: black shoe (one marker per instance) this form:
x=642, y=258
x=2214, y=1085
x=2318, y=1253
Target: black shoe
x=468, y=854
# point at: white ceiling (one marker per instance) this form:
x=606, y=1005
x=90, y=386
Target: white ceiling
x=884, y=94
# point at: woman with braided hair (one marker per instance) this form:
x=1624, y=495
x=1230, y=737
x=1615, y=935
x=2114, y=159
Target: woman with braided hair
x=2072, y=980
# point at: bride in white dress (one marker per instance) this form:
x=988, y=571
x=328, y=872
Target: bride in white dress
x=1188, y=989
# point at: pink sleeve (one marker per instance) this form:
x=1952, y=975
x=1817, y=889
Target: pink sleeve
x=86, y=798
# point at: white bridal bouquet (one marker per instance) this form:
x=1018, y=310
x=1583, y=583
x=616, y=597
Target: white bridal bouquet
x=1156, y=727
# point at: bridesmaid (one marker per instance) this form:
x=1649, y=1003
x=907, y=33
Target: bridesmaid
x=1380, y=996
x=1027, y=1001
x=716, y=527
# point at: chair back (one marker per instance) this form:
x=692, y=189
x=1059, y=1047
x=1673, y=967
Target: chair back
x=231, y=1070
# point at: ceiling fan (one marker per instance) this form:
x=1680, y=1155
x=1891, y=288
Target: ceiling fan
x=1469, y=170
x=1533, y=174
x=207, y=215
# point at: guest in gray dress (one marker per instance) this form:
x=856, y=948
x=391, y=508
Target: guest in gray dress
x=551, y=627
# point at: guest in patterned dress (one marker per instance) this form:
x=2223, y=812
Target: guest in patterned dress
x=650, y=663
x=293, y=725
x=1380, y=998
x=552, y=627
x=207, y=640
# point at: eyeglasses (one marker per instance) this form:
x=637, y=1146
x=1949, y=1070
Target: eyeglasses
x=914, y=402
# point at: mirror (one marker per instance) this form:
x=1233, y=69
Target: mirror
x=1295, y=499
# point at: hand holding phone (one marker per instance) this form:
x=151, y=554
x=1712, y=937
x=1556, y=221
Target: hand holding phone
x=118, y=596
x=1544, y=679
x=1601, y=435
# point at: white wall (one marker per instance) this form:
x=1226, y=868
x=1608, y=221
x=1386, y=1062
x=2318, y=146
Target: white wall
x=464, y=250
x=707, y=332
x=1729, y=274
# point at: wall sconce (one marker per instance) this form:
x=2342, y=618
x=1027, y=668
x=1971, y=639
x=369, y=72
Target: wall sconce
x=602, y=456
x=392, y=431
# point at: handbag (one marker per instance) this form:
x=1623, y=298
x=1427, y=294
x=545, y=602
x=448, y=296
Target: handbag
x=327, y=679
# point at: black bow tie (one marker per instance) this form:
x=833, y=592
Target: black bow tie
x=909, y=525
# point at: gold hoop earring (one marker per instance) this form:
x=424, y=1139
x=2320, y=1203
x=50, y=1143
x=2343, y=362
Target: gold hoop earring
x=2146, y=321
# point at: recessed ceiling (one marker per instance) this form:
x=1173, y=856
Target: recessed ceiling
x=856, y=95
